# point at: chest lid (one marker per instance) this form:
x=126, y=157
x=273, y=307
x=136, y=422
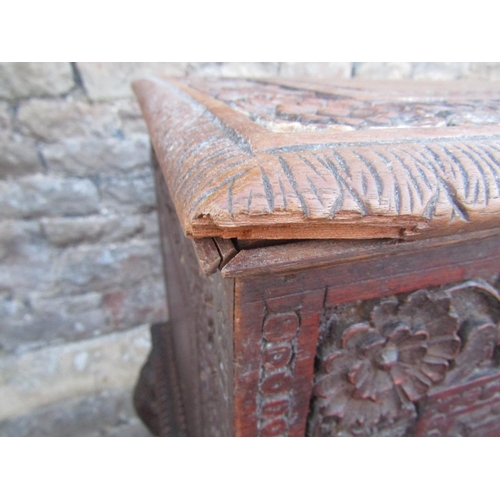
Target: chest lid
x=282, y=159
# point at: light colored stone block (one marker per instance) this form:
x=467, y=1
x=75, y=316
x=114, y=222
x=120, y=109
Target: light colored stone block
x=132, y=193
x=439, y=70
x=383, y=70
x=98, y=156
x=40, y=195
x=18, y=156
x=105, y=267
x=108, y=413
x=489, y=71
x=64, y=231
x=53, y=120
x=316, y=69
x=46, y=376
x=35, y=79
x=113, y=80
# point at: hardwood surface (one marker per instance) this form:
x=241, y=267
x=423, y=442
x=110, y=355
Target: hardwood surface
x=273, y=160
x=341, y=271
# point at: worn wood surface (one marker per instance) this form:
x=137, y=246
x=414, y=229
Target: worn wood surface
x=281, y=160
x=200, y=321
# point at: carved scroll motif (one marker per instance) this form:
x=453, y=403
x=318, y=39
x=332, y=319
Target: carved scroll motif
x=422, y=363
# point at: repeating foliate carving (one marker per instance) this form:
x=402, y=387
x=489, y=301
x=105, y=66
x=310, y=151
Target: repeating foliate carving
x=386, y=374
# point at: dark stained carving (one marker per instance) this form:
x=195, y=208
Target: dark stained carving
x=386, y=373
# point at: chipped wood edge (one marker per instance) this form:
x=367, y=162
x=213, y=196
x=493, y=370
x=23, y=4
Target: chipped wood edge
x=398, y=187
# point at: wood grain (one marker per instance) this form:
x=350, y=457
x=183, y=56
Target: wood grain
x=423, y=161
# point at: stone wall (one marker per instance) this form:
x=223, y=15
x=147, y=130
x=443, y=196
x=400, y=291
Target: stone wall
x=80, y=268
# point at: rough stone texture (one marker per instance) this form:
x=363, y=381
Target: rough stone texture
x=112, y=80
x=101, y=267
x=380, y=71
x=107, y=413
x=35, y=79
x=93, y=156
x=39, y=195
x=439, y=71
x=233, y=69
x=53, y=120
x=62, y=231
x=315, y=70
x=79, y=257
x=137, y=193
x=34, y=379
x=484, y=71
x=18, y=156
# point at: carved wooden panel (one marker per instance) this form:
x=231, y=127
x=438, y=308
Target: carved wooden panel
x=423, y=363
x=201, y=321
x=275, y=341
x=257, y=160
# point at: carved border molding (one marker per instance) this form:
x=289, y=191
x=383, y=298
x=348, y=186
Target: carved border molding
x=232, y=178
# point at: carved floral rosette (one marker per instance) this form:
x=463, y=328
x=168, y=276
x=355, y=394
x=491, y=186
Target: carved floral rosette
x=373, y=375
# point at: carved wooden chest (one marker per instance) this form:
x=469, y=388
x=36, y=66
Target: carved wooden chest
x=332, y=253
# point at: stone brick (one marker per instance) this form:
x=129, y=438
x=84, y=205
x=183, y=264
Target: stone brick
x=113, y=80
x=130, y=115
x=40, y=195
x=439, y=70
x=5, y=117
x=316, y=69
x=64, y=231
x=107, y=413
x=18, y=156
x=20, y=240
x=484, y=71
x=143, y=303
x=54, y=320
x=234, y=69
x=35, y=79
x=383, y=70
x=105, y=267
x=33, y=379
x=53, y=120
x=25, y=258
x=133, y=193
x=98, y=156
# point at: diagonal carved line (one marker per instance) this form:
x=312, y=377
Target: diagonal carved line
x=364, y=186
x=268, y=190
x=314, y=190
x=291, y=180
x=463, y=172
x=215, y=189
x=282, y=189
x=449, y=190
x=312, y=167
x=230, y=198
x=409, y=173
x=397, y=192
x=490, y=166
x=417, y=164
x=481, y=171
x=373, y=171
x=333, y=169
x=342, y=163
x=431, y=205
